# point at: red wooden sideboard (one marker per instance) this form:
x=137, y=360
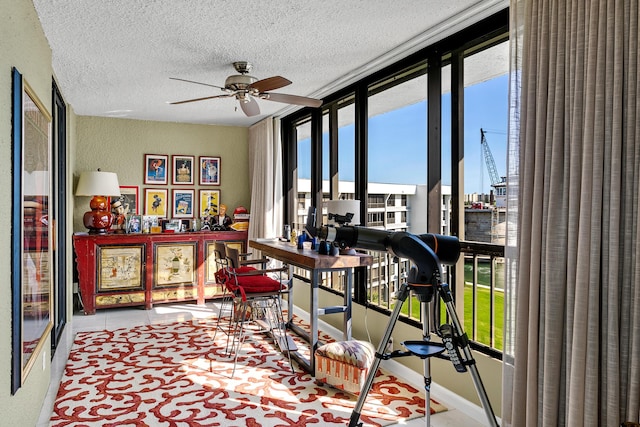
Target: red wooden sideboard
x=117, y=270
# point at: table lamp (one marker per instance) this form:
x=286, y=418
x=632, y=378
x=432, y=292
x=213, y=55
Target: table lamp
x=100, y=185
x=343, y=212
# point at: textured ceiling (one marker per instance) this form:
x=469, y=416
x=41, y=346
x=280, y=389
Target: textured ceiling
x=114, y=58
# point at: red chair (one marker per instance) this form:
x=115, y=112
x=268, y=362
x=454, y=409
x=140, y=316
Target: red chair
x=224, y=265
x=222, y=277
x=256, y=295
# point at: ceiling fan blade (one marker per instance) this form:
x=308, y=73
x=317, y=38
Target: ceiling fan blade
x=293, y=99
x=250, y=107
x=201, y=99
x=198, y=83
x=270, y=83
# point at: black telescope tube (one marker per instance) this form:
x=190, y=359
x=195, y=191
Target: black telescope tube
x=447, y=248
x=356, y=237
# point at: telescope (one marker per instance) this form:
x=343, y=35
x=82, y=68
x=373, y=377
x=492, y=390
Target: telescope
x=446, y=248
x=427, y=251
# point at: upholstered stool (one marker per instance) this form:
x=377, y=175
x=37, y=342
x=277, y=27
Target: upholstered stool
x=344, y=364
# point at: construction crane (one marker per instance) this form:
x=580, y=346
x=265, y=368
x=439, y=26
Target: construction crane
x=499, y=184
x=488, y=159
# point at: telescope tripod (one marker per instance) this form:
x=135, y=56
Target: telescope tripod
x=453, y=339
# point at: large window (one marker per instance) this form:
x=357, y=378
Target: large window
x=485, y=129
x=346, y=145
x=405, y=141
x=303, y=184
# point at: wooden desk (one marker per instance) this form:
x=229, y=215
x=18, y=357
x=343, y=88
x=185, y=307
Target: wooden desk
x=315, y=263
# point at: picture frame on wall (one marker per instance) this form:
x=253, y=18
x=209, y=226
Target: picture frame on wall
x=32, y=281
x=209, y=170
x=156, y=169
x=209, y=203
x=182, y=167
x=155, y=202
x=183, y=203
x=129, y=198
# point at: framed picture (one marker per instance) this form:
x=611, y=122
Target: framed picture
x=120, y=267
x=134, y=224
x=183, y=203
x=155, y=202
x=182, y=167
x=151, y=224
x=31, y=279
x=129, y=198
x=174, y=225
x=174, y=264
x=209, y=203
x=156, y=169
x=209, y=170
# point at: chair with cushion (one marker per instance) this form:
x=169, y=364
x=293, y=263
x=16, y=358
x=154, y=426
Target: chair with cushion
x=224, y=264
x=257, y=299
x=239, y=260
x=221, y=275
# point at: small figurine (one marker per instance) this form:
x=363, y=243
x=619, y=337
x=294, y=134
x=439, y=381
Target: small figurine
x=119, y=218
x=222, y=221
x=206, y=223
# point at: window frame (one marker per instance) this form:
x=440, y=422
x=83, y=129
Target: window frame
x=431, y=59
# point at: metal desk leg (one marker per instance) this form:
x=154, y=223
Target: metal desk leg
x=290, y=297
x=347, y=305
x=313, y=336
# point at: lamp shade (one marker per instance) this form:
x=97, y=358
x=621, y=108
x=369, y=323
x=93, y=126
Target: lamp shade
x=98, y=183
x=342, y=208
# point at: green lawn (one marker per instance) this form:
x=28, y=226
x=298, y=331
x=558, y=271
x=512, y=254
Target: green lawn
x=483, y=315
x=483, y=319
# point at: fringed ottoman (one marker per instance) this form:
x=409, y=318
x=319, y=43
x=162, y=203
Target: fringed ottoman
x=344, y=364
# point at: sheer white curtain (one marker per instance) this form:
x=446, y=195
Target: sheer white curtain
x=573, y=319
x=265, y=174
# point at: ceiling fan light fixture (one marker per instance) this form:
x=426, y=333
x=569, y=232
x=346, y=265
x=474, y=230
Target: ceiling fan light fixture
x=239, y=82
x=247, y=89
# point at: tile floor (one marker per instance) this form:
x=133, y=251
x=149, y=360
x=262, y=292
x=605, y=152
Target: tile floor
x=460, y=412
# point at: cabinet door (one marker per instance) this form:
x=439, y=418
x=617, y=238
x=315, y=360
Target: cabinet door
x=120, y=268
x=174, y=264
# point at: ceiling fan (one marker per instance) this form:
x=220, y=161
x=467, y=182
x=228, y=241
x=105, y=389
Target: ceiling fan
x=246, y=88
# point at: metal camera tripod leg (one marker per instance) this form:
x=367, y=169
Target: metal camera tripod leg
x=403, y=292
x=445, y=294
x=469, y=362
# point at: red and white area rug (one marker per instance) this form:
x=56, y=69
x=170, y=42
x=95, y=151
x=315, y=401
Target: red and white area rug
x=177, y=375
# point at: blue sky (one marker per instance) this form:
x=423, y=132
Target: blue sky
x=397, y=140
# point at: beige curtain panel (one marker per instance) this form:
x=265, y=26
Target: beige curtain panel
x=573, y=318
x=265, y=173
